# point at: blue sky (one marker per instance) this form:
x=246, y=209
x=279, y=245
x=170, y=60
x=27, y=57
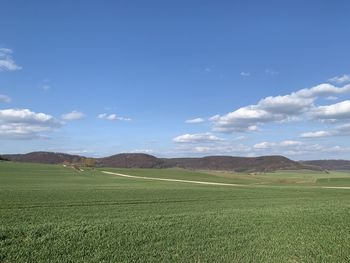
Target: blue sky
x=176, y=78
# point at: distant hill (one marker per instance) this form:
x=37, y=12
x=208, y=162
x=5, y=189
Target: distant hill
x=238, y=164
x=130, y=160
x=140, y=160
x=44, y=157
x=330, y=164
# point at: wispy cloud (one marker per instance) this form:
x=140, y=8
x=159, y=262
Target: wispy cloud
x=340, y=130
x=5, y=98
x=297, y=148
x=282, y=144
x=73, y=116
x=316, y=134
x=340, y=79
x=196, y=138
x=271, y=72
x=45, y=87
x=112, y=117
x=195, y=120
x=6, y=61
x=245, y=74
x=147, y=151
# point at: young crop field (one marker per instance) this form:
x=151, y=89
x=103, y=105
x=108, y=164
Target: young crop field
x=51, y=213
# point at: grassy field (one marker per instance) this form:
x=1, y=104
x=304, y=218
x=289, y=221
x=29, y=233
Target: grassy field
x=54, y=214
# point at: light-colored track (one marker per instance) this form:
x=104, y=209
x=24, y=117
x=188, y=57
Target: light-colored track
x=203, y=182
x=172, y=180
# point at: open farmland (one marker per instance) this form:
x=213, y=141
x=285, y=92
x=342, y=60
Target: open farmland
x=50, y=213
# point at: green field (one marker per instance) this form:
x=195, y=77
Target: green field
x=51, y=213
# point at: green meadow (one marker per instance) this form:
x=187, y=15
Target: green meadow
x=50, y=213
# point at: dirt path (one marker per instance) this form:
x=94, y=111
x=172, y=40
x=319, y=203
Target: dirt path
x=173, y=180
x=206, y=183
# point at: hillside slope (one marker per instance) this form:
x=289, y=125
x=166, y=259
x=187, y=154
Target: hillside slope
x=330, y=164
x=238, y=164
x=44, y=157
x=130, y=160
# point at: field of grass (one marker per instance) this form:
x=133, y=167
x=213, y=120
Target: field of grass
x=49, y=213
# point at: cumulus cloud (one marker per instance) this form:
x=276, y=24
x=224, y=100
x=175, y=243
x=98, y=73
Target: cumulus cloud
x=25, y=124
x=112, y=117
x=196, y=138
x=4, y=98
x=334, y=112
x=340, y=79
x=73, y=116
x=279, y=108
x=243, y=119
x=195, y=120
x=6, y=61
x=322, y=90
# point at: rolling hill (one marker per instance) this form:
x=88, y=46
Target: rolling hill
x=44, y=157
x=330, y=164
x=140, y=160
x=130, y=160
x=238, y=164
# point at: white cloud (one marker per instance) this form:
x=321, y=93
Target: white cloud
x=290, y=143
x=6, y=61
x=340, y=79
x=324, y=89
x=112, y=117
x=243, y=119
x=147, y=151
x=195, y=120
x=288, y=104
x=5, y=98
x=300, y=149
x=196, y=138
x=282, y=144
x=72, y=116
x=220, y=148
x=276, y=109
x=333, y=112
x=331, y=98
x=341, y=130
x=25, y=124
x=245, y=74
x=316, y=134
x=264, y=145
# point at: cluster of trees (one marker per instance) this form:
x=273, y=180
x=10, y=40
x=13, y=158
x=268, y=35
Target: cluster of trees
x=3, y=159
x=86, y=162
x=89, y=162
